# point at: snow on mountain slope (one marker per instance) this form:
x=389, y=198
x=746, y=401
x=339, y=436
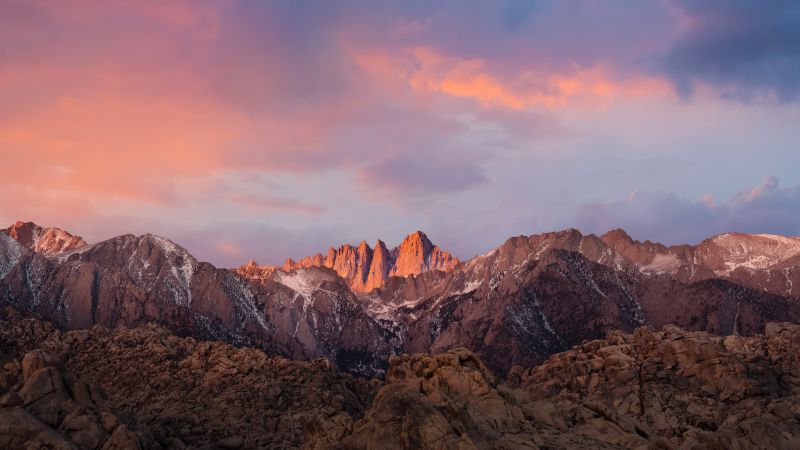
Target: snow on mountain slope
x=180, y=265
x=661, y=264
x=10, y=253
x=315, y=307
x=753, y=251
x=302, y=281
x=244, y=300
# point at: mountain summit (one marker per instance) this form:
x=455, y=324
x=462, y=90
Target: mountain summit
x=47, y=241
x=366, y=268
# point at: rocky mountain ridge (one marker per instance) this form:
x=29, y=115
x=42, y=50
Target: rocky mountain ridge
x=134, y=280
x=47, y=241
x=761, y=261
x=366, y=268
x=531, y=297
x=516, y=305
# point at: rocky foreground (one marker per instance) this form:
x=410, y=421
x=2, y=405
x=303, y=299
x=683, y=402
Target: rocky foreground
x=146, y=388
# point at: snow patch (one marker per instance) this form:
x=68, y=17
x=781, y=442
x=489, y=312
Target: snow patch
x=182, y=273
x=186, y=270
x=756, y=251
x=662, y=263
x=61, y=257
x=10, y=253
x=300, y=281
x=789, y=284
x=243, y=298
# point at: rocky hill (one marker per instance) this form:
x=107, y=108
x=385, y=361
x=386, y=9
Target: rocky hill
x=678, y=389
x=146, y=388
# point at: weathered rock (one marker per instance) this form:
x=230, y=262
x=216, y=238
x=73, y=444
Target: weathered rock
x=451, y=401
x=20, y=429
x=189, y=394
x=43, y=412
x=685, y=389
x=647, y=389
x=43, y=382
x=35, y=360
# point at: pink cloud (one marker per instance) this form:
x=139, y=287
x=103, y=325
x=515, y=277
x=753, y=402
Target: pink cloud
x=130, y=97
x=268, y=203
x=138, y=116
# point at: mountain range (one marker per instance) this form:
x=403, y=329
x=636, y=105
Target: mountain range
x=514, y=306
x=547, y=341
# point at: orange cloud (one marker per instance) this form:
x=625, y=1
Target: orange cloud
x=434, y=72
x=229, y=249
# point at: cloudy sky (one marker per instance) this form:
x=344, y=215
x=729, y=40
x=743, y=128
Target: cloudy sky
x=273, y=129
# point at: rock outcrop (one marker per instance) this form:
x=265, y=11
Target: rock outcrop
x=667, y=389
x=366, y=268
x=146, y=388
x=678, y=389
x=181, y=392
x=43, y=406
x=452, y=400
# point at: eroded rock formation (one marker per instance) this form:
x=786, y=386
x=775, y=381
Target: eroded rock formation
x=146, y=388
x=366, y=268
x=179, y=392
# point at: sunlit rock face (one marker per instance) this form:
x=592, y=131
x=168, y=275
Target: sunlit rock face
x=47, y=241
x=366, y=268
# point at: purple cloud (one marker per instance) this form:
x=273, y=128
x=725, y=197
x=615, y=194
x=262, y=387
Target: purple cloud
x=666, y=217
x=743, y=48
x=422, y=175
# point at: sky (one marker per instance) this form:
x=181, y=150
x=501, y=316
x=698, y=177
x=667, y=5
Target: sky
x=273, y=129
